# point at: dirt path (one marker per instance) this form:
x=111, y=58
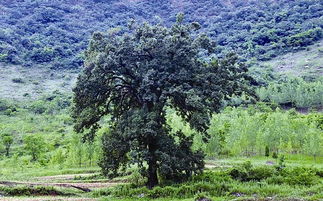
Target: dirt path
x=63, y=177
x=86, y=187
x=213, y=166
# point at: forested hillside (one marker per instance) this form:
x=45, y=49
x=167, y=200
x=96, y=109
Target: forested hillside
x=55, y=33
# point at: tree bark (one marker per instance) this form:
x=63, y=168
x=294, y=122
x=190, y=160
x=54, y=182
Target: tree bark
x=152, y=168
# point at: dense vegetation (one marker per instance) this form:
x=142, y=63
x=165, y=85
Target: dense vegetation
x=55, y=33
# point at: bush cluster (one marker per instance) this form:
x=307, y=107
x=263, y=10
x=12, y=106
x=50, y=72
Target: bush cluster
x=31, y=191
x=276, y=175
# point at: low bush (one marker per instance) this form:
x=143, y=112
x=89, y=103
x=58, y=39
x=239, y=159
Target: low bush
x=5, y=105
x=242, y=173
x=300, y=176
x=261, y=173
x=30, y=191
x=18, y=80
x=239, y=173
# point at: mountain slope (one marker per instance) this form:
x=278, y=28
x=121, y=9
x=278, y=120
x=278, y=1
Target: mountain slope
x=54, y=33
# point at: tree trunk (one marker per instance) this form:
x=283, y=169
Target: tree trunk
x=152, y=148
x=7, y=151
x=152, y=174
x=152, y=167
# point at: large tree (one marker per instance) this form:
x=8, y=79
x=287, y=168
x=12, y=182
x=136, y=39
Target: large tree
x=134, y=76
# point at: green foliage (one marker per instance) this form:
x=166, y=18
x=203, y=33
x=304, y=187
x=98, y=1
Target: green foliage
x=58, y=147
x=305, y=38
x=50, y=104
x=202, y=197
x=282, y=175
x=38, y=107
x=34, y=145
x=244, y=174
x=186, y=190
x=296, y=176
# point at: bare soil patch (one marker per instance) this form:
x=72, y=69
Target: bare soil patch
x=63, y=177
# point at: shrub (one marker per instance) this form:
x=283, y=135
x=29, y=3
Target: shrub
x=38, y=107
x=245, y=172
x=261, y=172
x=202, y=197
x=239, y=173
x=18, y=80
x=137, y=179
x=5, y=105
x=300, y=176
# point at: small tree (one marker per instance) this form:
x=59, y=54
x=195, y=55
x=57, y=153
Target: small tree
x=7, y=141
x=90, y=149
x=134, y=77
x=313, y=142
x=34, y=145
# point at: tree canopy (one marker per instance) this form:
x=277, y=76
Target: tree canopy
x=134, y=77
